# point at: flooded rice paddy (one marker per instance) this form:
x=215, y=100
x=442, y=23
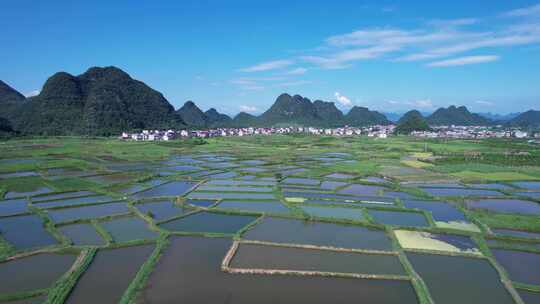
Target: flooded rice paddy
x=506, y=206
x=15, y=194
x=82, y=234
x=287, y=258
x=176, y=188
x=527, y=185
x=87, y=212
x=189, y=272
x=12, y=207
x=277, y=230
x=529, y=297
x=334, y=212
x=163, y=232
x=441, y=211
x=33, y=272
x=109, y=275
x=74, y=201
x=452, y=279
x=398, y=218
x=209, y=222
x=521, y=266
x=211, y=195
x=275, y=207
x=162, y=210
x=128, y=229
x=26, y=232
x=460, y=192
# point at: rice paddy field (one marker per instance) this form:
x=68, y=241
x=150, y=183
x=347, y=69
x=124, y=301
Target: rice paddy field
x=276, y=219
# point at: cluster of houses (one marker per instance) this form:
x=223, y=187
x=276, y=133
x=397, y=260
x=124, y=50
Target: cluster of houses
x=377, y=131
x=167, y=135
x=474, y=132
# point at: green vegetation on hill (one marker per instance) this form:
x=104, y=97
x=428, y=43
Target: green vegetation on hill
x=216, y=119
x=290, y=109
x=5, y=125
x=6, y=129
x=244, y=119
x=102, y=101
x=192, y=115
x=456, y=116
x=411, y=121
x=10, y=101
x=361, y=116
x=301, y=111
x=530, y=118
x=328, y=112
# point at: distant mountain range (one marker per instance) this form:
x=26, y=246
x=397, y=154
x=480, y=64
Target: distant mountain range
x=499, y=117
x=107, y=101
x=394, y=117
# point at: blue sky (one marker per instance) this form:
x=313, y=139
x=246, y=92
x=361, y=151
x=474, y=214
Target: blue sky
x=240, y=55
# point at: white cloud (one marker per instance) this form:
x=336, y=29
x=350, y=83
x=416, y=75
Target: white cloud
x=525, y=11
x=420, y=103
x=431, y=40
x=423, y=103
x=453, y=22
x=392, y=36
x=248, y=109
x=32, y=93
x=343, y=100
x=463, y=61
x=267, y=66
x=297, y=71
x=515, y=35
x=484, y=102
x=343, y=59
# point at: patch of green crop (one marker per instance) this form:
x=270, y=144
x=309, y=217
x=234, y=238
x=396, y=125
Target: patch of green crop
x=498, y=220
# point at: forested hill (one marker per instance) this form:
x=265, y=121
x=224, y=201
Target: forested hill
x=101, y=101
x=530, y=118
x=10, y=101
x=456, y=116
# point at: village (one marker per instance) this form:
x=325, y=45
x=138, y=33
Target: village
x=376, y=131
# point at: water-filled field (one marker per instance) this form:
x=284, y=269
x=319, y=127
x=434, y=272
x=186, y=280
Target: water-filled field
x=275, y=219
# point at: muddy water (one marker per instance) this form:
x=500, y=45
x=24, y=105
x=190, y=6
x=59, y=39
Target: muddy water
x=399, y=218
x=521, y=266
x=209, y=222
x=128, y=229
x=506, y=206
x=286, y=258
x=189, y=272
x=25, y=232
x=82, y=234
x=460, y=280
x=109, y=274
x=317, y=233
x=162, y=210
x=33, y=272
